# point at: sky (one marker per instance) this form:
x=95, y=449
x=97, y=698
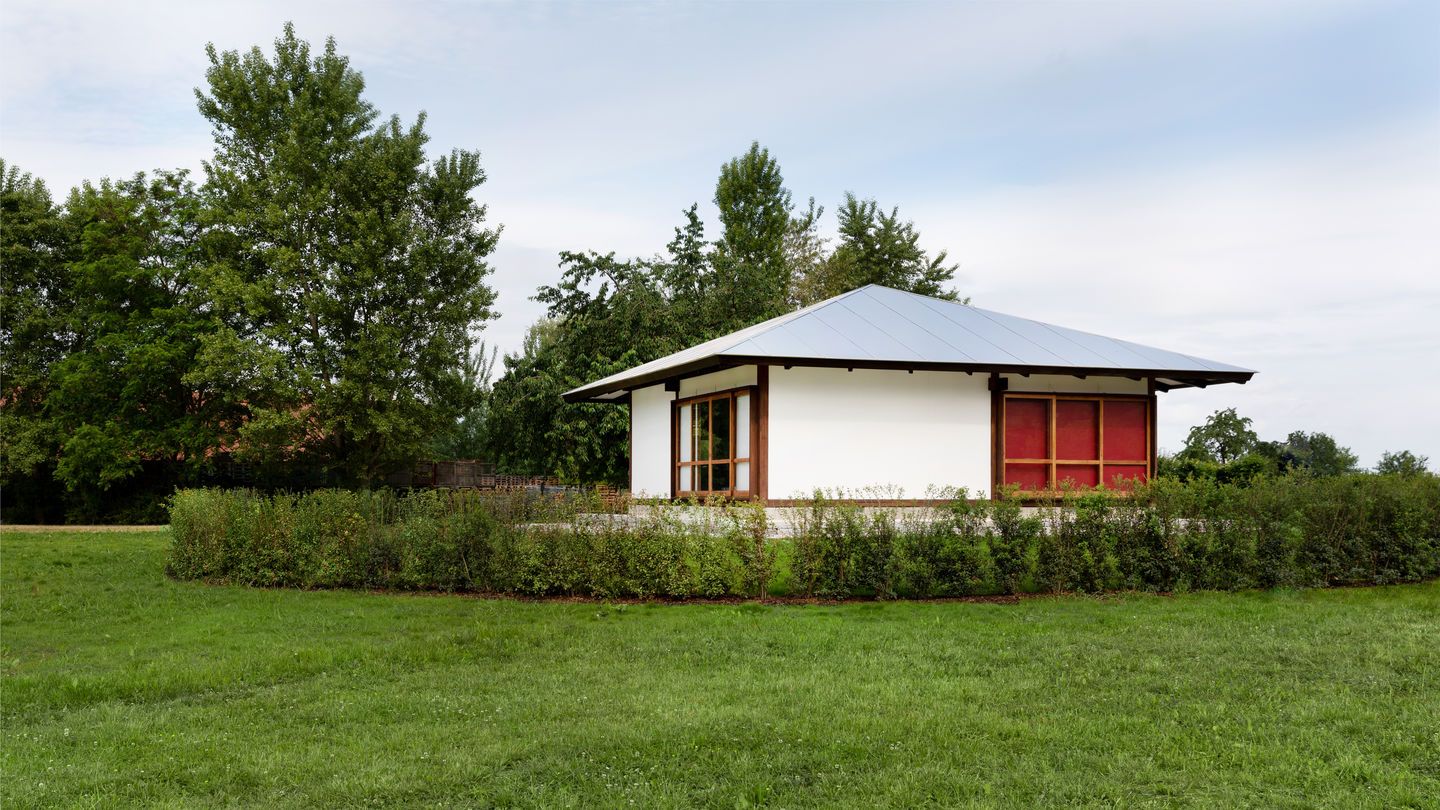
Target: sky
x=1255, y=183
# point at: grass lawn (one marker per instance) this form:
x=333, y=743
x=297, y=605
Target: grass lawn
x=121, y=687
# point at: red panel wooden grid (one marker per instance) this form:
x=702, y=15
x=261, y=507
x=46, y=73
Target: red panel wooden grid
x=1077, y=429
x=1028, y=476
x=1079, y=475
x=1027, y=428
x=1122, y=476
x=1125, y=428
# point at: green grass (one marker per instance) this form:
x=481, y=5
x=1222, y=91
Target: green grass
x=123, y=687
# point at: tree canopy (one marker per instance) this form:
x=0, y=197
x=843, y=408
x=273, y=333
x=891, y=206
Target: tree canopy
x=314, y=302
x=350, y=271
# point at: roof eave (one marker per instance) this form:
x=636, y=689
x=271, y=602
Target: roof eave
x=1172, y=378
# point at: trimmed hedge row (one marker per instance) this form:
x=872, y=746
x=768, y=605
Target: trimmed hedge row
x=1168, y=536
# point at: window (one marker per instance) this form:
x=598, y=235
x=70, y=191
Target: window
x=713, y=444
x=1052, y=441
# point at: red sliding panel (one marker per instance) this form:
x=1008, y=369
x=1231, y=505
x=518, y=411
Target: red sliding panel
x=1028, y=476
x=1075, y=441
x=1077, y=429
x=1027, y=428
x=1126, y=424
x=1078, y=475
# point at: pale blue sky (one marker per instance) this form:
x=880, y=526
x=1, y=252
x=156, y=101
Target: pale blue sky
x=1254, y=182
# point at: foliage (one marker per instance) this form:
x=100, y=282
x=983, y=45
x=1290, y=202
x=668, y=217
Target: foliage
x=35, y=243
x=1403, y=462
x=1224, y=437
x=1317, y=454
x=751, y=278
x=349, y=273
x=1294, y=531
x=310, y=309
x=465, y=439
x=608, y=314
x=876, y=247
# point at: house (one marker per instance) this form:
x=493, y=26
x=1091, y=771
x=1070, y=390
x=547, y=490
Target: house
x=879, y=387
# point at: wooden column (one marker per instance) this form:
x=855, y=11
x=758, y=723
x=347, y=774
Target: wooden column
x=1153, y=439
x=998, y=385
x=760, y=453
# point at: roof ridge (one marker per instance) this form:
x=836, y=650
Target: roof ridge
x=781, y=320
x=1046, y=324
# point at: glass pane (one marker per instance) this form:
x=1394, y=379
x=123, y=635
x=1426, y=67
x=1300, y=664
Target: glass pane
x=742, y=476
x=720, y=425
x=742, y=426
x=685, y=478
x=702, y=431
x=686, y=431
x=720, y=477
x=702, y=478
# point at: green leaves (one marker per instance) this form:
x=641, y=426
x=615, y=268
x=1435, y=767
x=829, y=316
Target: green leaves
x=347, y=264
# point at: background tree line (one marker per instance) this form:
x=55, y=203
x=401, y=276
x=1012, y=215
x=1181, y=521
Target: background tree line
x=608, y=314
x=1227, y=448
x=309, y=309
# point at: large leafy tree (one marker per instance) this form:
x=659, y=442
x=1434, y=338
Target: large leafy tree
x=1402, y=462
x=604, y=316
x=751, y=277
x=1224, y=437
x=349, y=272
x=120, y=398
x=607, y=314
x=878, y=247
x=1317, y=454
x=35, y=246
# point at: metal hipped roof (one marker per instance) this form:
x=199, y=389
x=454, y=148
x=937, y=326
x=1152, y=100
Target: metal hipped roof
x=880, y=327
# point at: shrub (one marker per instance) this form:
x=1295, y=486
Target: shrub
x=1014, y=543
x=1294, y=531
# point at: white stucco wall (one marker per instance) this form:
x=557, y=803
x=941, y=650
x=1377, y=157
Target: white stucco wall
x=832, y=428
x=1065, y=384
x=737, y=377
x=650, y=442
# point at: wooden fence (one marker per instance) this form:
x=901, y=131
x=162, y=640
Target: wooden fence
x=481, y=475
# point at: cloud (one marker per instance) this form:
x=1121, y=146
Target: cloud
x=1315, y=265
x=1257, y=182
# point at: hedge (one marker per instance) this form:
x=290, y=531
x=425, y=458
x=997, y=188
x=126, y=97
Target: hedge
x=1168, y=536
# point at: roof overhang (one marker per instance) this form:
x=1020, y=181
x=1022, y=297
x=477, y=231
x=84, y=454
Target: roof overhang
x=1165, y=379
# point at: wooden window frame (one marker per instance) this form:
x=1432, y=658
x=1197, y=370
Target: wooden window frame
x=730, y=395
x=1002, y=459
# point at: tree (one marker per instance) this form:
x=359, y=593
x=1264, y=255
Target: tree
x=605, y=315
x=1318, y=454
x=1403, y=462
x=1225, y=437
x=35, y=244
x=876, y=247
x=349, y=274
x=752, y=278
x=120, y=398
x=466, y=438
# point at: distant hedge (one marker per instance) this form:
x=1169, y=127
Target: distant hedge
x=1167, y=536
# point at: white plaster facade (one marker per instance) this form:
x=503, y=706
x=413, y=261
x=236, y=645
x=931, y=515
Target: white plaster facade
x=650, y=442
x=872, y=433
x=836, y=429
